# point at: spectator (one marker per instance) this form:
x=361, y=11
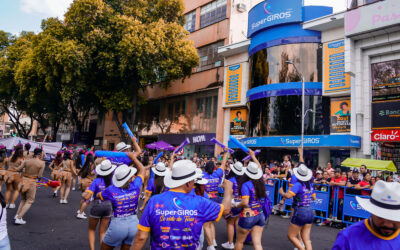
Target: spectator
x=365, y=184
x=318, y=177
x=363, y=171
x=373, y=180
x=329, y=167
x=353, y=182
x=267, y=176
x=389, y=178
x=338, y=181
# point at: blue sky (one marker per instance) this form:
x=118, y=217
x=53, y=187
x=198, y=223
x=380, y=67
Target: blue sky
x=19, y=15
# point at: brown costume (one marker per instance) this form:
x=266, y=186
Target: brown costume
x=33, y=169
x=66, y=173
x=12, y=176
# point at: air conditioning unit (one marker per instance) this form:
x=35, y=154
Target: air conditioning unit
x=241, y=7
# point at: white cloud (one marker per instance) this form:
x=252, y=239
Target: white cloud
x=338, y=5
x=48, y=8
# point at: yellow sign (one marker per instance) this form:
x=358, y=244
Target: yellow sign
x=233, y=84
x=238, y=123
x=340, y=115
x=335, y=79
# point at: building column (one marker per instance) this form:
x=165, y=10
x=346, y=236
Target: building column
x=324, y=155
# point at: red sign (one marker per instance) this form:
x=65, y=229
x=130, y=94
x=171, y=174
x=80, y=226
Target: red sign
x=386, y=135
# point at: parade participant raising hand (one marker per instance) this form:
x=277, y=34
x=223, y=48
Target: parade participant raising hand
x=124, y=196
x=178, y=209
x=252, y=192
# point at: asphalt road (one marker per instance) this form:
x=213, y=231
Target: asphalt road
x=51, y=225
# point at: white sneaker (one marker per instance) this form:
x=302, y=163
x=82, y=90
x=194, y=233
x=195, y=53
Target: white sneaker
x=73, y=189
x=285, y=216
x=20, y=221
x=81, y=216
x=16, y=217
x=65, y=201
x=215, y=243
x=211, y=248
x=12, y=206
x=78, y=212
x=228, y=245
x=61, y=201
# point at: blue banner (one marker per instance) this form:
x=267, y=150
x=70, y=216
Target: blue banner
x=321, y=202
x=270, y=190
x=352, y=208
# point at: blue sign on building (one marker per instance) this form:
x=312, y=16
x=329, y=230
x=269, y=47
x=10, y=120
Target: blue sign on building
x=274, y=12
x=350, y=141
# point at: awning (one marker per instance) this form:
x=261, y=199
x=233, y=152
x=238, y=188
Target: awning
x=370, y=164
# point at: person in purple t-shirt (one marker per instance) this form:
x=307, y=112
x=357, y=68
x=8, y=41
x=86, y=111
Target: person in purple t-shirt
x=174, y=219
x=124, y=195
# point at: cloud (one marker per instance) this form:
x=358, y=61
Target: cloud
x=47, y=8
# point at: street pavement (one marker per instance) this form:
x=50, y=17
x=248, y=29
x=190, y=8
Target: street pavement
x=51, y=225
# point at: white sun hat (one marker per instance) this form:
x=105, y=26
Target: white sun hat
x=122, y=174
x=183, y=171
x=200, y=180
x=253, y=171
x=384, y=201
x=122, y=146
x=237, y=168
x=303, y=173
x=160, y=169
x=105, y=168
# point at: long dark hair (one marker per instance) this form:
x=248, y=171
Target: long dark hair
x=145, y=159
x=199, y=189
x=86, y=169
x=233, y=175
x=27, y=147
x=58, y=159
x=18, y=153
x=209, y=167
x=78, y=160
x=67, y=155
x=3, y=154
x=2, y=201
x=259, y=186
x=107, y=179
x=306, y=183
x=159, y=183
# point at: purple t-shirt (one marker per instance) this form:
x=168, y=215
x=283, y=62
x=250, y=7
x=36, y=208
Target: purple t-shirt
x=214, y=180
x=97, y=186
x=360, y=236
x=124, y=201
x=151, y=187
x=249, y=192
x=302, y=194
x=235, y=187
x=175, y=219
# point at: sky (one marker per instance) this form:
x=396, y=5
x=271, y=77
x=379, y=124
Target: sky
x=26, y=15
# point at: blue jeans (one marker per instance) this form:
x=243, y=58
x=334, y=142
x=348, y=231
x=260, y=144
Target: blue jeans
x=250, y=222
x=5, y=243
x=302, y=216
x=121, y=231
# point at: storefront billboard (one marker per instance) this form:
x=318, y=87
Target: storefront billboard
x=386, y=115
x=273, y=12
x=233, y=84
x=386, y=135
x=385, y=80
x=340, y=115
x=238, y=123
x=335, y=79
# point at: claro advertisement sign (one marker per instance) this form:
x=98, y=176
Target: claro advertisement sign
x=274, y=12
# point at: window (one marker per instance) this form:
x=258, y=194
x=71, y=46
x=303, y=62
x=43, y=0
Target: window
x=199, y=105
x=170, y=110
x=184, y=107
x=215, y=108
x=190, y=21
x=208, y=106
x=212, y=13
x=209, y=57
x=177, y=108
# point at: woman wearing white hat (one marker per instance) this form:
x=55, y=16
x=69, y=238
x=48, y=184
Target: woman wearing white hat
x=303, y=215
x=156, y=184
x=124, y=196
x=100, y=211
x=232, y=219
x=252, y=191
x=382, y=229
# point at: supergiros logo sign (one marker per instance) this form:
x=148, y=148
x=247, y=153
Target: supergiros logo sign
x=274, y=12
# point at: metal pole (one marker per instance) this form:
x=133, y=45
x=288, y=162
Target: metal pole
x=302, y=111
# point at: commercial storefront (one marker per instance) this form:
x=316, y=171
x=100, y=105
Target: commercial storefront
x=274, y=89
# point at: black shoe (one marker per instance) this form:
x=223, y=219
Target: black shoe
x=54, y=195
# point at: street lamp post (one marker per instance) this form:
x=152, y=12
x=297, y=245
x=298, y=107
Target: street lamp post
x=303, y=114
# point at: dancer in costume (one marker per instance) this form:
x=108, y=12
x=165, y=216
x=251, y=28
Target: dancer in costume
x=67, y=169
x=55, y=168
x=124, y=196
x=12, y=177
x=252, y=192
x=27, y=154
x=33, y=169
x=100, y=211
x=87, y=174
x=3, y=164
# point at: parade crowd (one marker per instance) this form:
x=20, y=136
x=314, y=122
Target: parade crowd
x=184, y=198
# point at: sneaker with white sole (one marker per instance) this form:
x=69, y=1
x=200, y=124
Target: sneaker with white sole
x=228, y=245
x=65, y=201
x=73, y=189
x=16, y=217
x=211, y=248
x=20, y=221
x=12, y=206
x=61, y=201
x=285, y=216
x=81, y=216
x=215, y=243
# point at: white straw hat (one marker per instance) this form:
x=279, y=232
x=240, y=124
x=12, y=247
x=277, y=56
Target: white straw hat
x=303, y=173
x=253, y=171
x=200, y=180
x=105, y=168
x=238, y=168
x=384, y=201
x=183, y=171
x=160, y=169
x=122, y=146
x=122, y=174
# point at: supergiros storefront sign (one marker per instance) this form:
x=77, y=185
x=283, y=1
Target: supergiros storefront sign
x=273, y=12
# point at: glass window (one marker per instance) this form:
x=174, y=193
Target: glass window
x=208, y=106
x=215, y=107
x=209, y=57
x=170, y=110
x=177, y=108
x=212, y=13
x=199, y=104
x=190, y=21
x=184, y=107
